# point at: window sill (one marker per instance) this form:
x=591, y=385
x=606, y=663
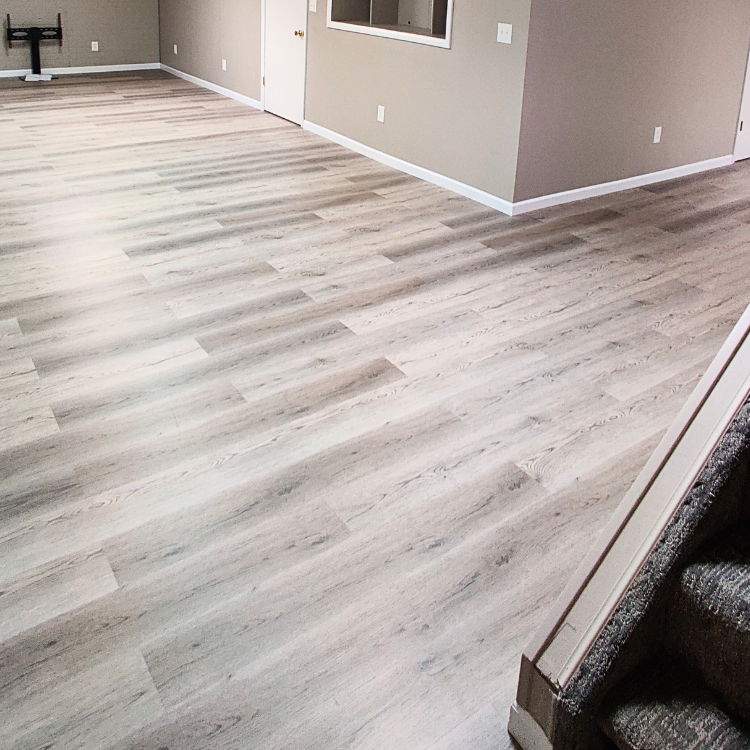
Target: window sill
x=391, y=33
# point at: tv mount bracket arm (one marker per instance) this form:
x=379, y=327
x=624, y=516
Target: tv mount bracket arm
x=34, y=35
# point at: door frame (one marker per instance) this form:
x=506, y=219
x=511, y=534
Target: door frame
x=745, y=99
x=263, y=57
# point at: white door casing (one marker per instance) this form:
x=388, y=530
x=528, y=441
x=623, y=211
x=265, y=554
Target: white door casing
x=285, y=58
x=742, y=144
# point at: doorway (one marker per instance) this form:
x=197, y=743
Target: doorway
x=742, y=144
x=285, y=58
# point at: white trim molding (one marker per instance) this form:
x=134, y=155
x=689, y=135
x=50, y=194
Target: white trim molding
x=127, y=68
x=475, y=194
x=522, y=207
x=594, y=191
x=525, y=731
x=263, y=56
x=214, y=87
x=390, y=33
x=480, y=196
x=403, y=36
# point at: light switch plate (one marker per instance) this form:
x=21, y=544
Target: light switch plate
x=381, y=113
x=223, y=64
x=505, y=33
x=94, y=46
x=313, y=6
x=175, y=49
x=657, y=134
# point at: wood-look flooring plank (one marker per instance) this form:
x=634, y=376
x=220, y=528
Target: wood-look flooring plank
x=49, y=592
x=95, y=707
x=26, y=424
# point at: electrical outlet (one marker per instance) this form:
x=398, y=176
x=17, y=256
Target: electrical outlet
x=223, y=64
x=657, y=134
x=94, y=46
x=313, y=6
x=175, y=49
x=381, y=113
x=505, y=33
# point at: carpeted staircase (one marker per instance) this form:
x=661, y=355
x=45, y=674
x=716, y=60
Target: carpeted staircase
x=696, y=694
x=669, y=668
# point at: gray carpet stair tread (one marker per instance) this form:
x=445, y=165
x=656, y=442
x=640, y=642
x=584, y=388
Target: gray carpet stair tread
x=664, y=707
x=710, y=620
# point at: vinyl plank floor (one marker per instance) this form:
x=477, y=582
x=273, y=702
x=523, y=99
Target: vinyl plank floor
x=44, y=594
x=296, y=451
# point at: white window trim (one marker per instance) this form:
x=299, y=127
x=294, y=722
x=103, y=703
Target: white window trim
x=403, y=36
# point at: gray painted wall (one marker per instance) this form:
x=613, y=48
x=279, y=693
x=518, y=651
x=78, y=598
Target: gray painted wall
x=207, y=31
x=456, y=112
x=127, y=32
x=601, y=75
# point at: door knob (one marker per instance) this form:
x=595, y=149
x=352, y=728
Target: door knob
x=299, y=33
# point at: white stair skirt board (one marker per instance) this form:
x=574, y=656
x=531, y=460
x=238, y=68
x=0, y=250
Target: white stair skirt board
x=525, y=731
x=480, y=196
x=214, y=87
x=522, y=207
x=83, y=71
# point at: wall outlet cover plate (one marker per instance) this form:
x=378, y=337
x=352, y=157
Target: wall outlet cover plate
x=505, y=33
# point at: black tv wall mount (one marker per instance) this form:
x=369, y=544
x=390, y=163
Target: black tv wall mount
x=34, y=35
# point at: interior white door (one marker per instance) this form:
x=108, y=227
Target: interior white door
x=286, y=53
x=742, y=145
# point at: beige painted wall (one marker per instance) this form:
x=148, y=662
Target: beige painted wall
x=598, y=77
x=456, y=112
x=127, y=32
x=602, y=75
x=207, y=31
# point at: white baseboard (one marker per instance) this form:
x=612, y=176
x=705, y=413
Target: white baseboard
x=593, y=191
x=427, y=175
x=214, y=87
x=521, y=207
x=84, y=70
x=525, y=731
x=480, y=196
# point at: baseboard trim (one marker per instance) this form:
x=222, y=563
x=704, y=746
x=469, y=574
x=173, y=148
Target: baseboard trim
x=87, y=69
x=525, y=731
x=521, y=207
x=475, y=194
x=213, y=87
x=427, y=175
x=594, y=191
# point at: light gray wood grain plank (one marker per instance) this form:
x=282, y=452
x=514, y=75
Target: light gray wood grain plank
x=25, y=424
x=9, y=328
x=48, y=592
x=94, y=708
